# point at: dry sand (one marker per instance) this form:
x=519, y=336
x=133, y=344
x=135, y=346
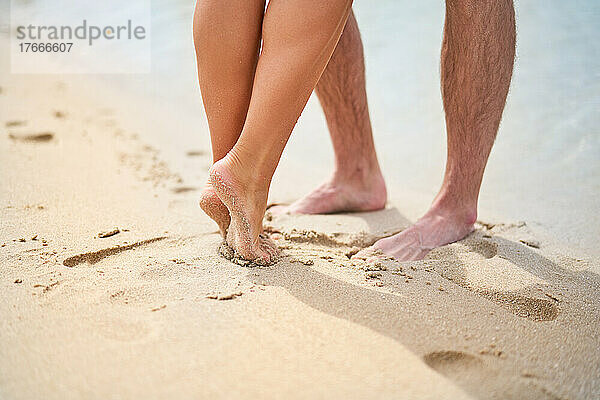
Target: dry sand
x=112, y=286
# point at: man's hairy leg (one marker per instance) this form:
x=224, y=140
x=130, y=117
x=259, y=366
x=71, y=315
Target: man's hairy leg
x=477, y=59
x=357, y=183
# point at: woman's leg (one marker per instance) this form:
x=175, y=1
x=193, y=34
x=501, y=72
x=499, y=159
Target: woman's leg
x=227, y=39
x=299, y=37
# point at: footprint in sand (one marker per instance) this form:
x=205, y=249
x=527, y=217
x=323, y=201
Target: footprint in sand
x=484, y=377
x=478, y=264
x=481, y=266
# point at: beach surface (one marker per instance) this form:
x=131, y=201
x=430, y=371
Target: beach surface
x=112, y=285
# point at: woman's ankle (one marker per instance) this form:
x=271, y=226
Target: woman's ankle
x=243, y=172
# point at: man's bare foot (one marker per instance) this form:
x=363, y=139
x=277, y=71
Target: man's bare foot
x=214, y=208
x=436, y=228
x=341, y=195
x=246, y=201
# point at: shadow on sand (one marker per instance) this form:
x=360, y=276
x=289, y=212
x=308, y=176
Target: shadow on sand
x=486, y=341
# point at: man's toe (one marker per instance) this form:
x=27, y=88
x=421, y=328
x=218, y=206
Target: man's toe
x=364, y=254
x=278, y=209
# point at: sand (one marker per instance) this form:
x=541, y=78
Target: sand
x=112, y=285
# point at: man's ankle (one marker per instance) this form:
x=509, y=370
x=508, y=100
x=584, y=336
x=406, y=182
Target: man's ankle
x=461, y=211
x=357, y=173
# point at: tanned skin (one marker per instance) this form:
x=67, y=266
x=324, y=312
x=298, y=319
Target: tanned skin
x=357, y=183
x=298, y=39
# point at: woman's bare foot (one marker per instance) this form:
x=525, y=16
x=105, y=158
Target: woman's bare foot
x=367, y=193
x=245, y=199
x=212, y=205
x=436, y=228
x=214, y=208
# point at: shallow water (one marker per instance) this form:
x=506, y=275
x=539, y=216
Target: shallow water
x=545, y=167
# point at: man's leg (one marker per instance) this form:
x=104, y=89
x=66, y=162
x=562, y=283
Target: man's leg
x=477, y=61
x=357, y=183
